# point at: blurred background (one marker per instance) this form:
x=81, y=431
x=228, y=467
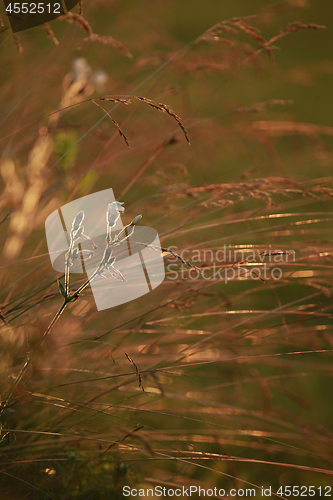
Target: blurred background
x=236, y=375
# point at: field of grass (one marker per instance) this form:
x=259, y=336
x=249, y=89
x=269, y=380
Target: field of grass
x=221, y=376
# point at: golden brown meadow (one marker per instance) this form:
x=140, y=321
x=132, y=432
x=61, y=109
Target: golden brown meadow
x=200, y=382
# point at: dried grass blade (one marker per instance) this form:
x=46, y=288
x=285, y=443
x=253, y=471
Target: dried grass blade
x=165, y=109
x=136, y=369
x=47, y=28
x=114, y=123
x=109, y=40
x=18, y=44
x=72, y=17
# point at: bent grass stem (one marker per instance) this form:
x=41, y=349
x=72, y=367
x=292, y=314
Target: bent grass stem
x=106, y=262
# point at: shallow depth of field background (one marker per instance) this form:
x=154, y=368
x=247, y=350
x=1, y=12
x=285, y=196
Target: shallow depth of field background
x=237, y=376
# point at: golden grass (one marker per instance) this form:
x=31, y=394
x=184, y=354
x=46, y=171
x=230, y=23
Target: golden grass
x=236, y=373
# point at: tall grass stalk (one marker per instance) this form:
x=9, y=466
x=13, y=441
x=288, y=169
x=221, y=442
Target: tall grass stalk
x=236, y=370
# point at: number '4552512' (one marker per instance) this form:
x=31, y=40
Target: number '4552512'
x=33, y=8
x=305, y=491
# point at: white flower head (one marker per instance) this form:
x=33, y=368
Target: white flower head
x=113, y=212
x=99, y=80
x=80, y=69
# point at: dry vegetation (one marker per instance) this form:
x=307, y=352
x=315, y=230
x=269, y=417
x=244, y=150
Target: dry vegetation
x=201, y=382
